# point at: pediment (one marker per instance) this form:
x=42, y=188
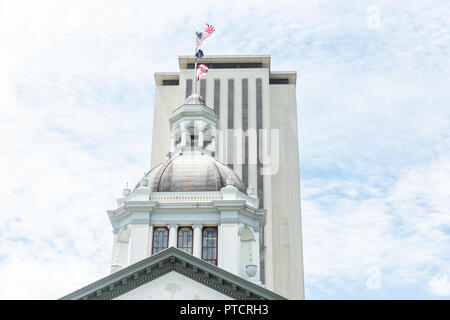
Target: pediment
x=162, y=271
x=173, y=286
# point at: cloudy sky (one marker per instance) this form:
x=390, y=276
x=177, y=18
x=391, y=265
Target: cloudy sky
x=373, y=91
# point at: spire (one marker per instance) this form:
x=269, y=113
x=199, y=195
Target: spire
x=195, y=98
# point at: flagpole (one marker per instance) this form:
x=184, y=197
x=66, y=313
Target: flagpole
x=195, y=65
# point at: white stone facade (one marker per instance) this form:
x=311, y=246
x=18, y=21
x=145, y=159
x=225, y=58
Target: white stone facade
x=173, y=286
x=146, y=216
x=234, y=213
x=282, y=251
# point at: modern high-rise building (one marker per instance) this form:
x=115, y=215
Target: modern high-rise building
x=217, y=216
x=257, y=121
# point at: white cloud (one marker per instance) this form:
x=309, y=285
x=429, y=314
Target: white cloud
x=76, y=114
x=404, y=232
x=374, y=278
x=440, y=285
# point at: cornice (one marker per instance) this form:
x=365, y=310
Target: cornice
x=172, y=259
x=133, y=210
x=223, y=205
x=193, y=112
x=140, y=205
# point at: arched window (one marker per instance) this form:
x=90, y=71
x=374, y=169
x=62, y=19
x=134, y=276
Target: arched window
x=209, y=245
x=160, y=239
x=185, y=239
x=192, y=137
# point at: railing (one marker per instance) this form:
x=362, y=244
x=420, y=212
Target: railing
x=180, y=198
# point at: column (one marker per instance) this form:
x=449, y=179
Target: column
x=200, y=126
x=173, y=235
x=200, y=137
x=229, y=248
x=183, y=137
x=213, y=146
x=150, y=240
x=172, y=142
x=197, y=238
x=255, y=254
x=138, y=242
x=115, y=266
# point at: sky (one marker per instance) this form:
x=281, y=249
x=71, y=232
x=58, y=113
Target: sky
x=373, y=92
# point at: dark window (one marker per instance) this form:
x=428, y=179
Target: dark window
x=160, y=239
x=209, y=245
x=185, y=239
x=245, y=128
x=217, y=97
x=188, y=87
x=259, y=125
x=203, y=88
x=230, y=123
x=171, y=82
x=278, y=81
x=230, y=65
x=230, y=103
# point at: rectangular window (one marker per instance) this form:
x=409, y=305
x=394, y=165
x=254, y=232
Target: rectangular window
x=245, y=128
x=203, y=88
x=160, y=239
x=217, y=97
x=229, y=65
x=209, y=245
x=259, y=125
x=188, y=87
x=170, y=82
x=230, y=123
x=185, y=239
x=278, y=81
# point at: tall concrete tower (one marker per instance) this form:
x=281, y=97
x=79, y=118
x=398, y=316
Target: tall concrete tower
x=258, y=138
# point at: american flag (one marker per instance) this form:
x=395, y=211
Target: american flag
x=205, y=34
x=201, y=70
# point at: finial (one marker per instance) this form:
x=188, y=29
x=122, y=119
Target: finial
x=144, y=181
x=126, y=192
x=195, y=98
x=230, y=181
x=250, y=191
x=251, y=270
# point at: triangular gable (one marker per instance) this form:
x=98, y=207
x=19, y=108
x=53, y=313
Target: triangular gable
x=173, y=286
x=167, y=261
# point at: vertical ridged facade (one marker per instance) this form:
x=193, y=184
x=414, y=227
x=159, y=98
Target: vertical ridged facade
x=249, y=97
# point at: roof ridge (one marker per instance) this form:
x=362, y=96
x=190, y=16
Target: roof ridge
x=220, y=176
x=168, y=163
x=168, y=260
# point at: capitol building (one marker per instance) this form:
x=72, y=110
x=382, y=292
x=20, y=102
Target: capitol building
x=217, y=215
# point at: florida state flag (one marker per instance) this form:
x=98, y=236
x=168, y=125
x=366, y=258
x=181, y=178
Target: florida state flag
x=201, y=70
